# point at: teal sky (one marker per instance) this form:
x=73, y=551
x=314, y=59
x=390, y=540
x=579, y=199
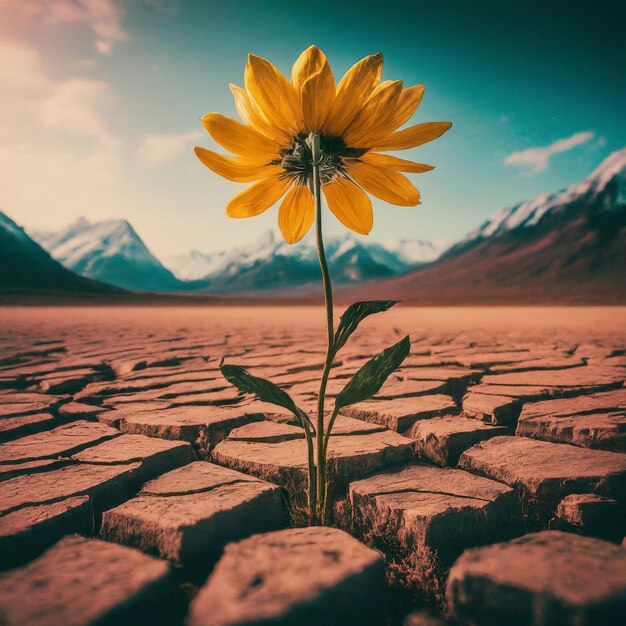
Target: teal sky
x=104, y=104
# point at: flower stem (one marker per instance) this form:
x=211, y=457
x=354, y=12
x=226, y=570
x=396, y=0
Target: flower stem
x=328, y=298
x=311, y=486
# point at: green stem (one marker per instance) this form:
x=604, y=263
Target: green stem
x=311, y=493
x=331, y=423
x=328, y=298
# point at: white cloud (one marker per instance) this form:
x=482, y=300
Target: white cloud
x=537, y=159
x=44, y=170
x=159, y=149
x=102, y=17
x=73, y=106
x=30, y=95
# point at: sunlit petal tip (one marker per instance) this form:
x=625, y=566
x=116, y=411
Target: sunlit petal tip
x=208, y=118
x=412, y=136
x=255, y=61
x=395, y=163
x=375, y=60
x=273, y=94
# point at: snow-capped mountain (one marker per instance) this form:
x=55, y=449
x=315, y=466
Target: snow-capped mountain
x=194, y=265
x=109, y=251
x=270, y=263
x=414, y=252
x=611, y=172
x=26, y=268
x=565, y=247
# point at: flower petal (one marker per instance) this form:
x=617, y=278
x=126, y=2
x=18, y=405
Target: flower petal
x=296, y=213
x=394, y=163
x=350, y=205
x=313, y=80
x=310, y=62
x=385, y=184
x=407, y=104
x=250, y=114
x=374, y=117
x=258, y=197
x=239, y=138
x=412, y=136
x=235, y=169
x=273, y=93
x=352, y=92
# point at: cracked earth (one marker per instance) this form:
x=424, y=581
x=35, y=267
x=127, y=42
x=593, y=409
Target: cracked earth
x=484, y=484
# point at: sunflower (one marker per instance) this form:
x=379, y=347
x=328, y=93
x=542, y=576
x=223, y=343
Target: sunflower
x=356, y=121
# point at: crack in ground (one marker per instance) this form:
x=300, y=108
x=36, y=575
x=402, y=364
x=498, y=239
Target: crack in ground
x=169, y=494
x=413, y=490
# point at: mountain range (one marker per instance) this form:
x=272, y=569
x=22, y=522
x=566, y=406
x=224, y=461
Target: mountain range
x=25, y=268
x=112, y=252
x=565, y=247
x=270, y=264
x=568, y=246
x=109, y=251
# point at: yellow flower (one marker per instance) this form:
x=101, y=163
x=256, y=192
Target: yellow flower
x=357, y=120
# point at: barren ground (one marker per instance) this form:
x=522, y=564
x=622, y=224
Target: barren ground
x=493, y=461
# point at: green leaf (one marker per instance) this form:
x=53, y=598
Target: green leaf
x=262, y=389
x=371, y=377
x=354, y=315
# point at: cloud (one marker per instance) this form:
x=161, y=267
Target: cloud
x=103, y=17
x=43, y=118
x=30, y=96
x=73, y=105
x=156, y=150
x=537, y=159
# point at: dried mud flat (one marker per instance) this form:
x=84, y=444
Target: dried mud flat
x=485, y=484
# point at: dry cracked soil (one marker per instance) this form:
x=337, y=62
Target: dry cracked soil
x=485, y=484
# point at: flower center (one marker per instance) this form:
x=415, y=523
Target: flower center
x=297, y=159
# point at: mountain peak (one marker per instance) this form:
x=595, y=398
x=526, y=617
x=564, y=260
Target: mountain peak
x=613, y=164
x=9, y=226
x=531, y=212
x=110, y=251
x=26, y=268
x=270, y=263
x=80, y=224
x=566, y=247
